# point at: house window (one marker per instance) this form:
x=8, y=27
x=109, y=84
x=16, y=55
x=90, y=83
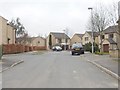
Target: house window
x=8, y=40
x=59, y=40
x=86, y=38
x=103, y=37
x=81, y=39
x=38, y=41
x=66, y=40
x=30, y=41
x=110, y=35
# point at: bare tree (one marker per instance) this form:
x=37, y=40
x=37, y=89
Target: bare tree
x=119, y=17
x=40, y=35
x=50, y=41
x=101, y=18
x=113, y=13
x=99, y=21
x=45, y=35
x=20, y=29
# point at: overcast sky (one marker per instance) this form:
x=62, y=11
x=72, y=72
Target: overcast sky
x=43, y=16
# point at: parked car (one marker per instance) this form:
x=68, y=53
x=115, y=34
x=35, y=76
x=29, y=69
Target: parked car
x=56, y=48
x=77, y=48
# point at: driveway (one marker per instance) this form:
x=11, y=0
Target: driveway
x=56, y=70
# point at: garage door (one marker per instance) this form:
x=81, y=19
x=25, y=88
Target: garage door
x=106, y=47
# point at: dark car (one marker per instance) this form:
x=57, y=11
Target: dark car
x=77, y=48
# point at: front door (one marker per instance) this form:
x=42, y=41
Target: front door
x=105, y=47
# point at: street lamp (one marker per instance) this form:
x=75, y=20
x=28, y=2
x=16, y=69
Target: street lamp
x=92, y=29
x=65, y=40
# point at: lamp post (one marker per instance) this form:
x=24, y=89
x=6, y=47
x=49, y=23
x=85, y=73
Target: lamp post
x=119, y=26
x=65, y=40
x=92, y=29
x=119, y=15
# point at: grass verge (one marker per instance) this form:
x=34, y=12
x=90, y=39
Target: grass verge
x=101, y=53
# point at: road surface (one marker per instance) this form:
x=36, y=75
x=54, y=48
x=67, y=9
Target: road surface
x=56, y=70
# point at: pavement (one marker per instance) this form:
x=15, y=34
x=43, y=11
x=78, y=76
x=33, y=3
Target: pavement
x=106, y=63
x=6, y=62
x=10, y=60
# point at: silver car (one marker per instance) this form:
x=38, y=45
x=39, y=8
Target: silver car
x=56, y=48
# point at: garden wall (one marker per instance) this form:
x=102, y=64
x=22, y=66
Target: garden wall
x=18, y=48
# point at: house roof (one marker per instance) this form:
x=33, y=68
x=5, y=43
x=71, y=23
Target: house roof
x=29, y=39
x=60, y=35
x=24, y=38
x=3, y=18
x=95, y=34
x=79, y=35
x=111, y=29
x=118, y=21
x=111, y=41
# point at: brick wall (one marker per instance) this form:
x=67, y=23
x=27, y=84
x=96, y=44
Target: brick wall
x=18, y=48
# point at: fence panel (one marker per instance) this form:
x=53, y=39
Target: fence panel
x=18, y=48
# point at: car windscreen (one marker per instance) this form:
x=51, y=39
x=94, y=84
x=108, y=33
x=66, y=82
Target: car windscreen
x=76, y=46
x=58, y=47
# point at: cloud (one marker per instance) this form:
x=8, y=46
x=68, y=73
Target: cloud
x=44, y=16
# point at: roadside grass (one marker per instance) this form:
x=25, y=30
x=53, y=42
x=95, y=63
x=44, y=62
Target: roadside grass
x=101, y=53
x=119, y=60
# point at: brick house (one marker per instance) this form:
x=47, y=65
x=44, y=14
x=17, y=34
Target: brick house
x=60, y=39
x=7, y=32
x=119, y=29
x=87, y=37
x=110, y=40
x=32, y=41
x=76, y=38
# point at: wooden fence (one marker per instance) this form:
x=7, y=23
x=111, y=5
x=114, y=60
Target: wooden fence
x=18, y=48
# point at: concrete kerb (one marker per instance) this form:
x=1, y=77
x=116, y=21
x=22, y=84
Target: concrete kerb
x=21, y=61
x=14, y=64
x=105, y=70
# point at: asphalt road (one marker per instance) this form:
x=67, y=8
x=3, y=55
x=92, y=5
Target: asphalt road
x=56, y=70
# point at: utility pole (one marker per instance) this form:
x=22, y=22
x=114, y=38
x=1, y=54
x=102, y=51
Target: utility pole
x=65, y=40
x=92, y=30
x=119, y=27
x=119, y=16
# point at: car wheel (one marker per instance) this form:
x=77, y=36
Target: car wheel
x=78, y=53
x=72, y=53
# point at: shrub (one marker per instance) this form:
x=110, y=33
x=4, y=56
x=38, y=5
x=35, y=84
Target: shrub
x=99, y=53
x=88, y=47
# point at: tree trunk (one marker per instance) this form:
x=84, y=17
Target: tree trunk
x=50, y=41
x=15, y=37
x=119, y=26
x=101, y=48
